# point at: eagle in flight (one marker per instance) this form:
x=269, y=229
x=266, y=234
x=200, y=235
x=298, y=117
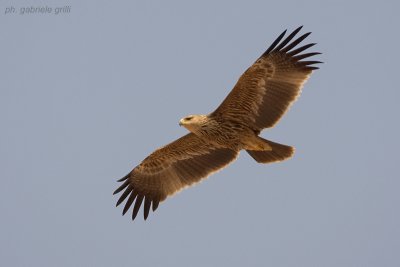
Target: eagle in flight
x=259, y=99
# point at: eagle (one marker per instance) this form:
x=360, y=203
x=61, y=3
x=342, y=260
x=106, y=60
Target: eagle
x=261, y=96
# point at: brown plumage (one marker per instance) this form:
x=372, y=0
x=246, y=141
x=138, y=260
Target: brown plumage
x=262, y=95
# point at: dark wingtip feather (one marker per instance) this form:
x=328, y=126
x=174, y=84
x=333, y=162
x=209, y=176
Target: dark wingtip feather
x=123, y=196
x=307, y=63
x=300, y=49
x=288, y=39
x=119, y=189
x=124, y=178
x=303, y=56
x=129, y=202
x=272, y=46
x=296, y=42
x=136, y=208
x=146, y=209
x=155, y=204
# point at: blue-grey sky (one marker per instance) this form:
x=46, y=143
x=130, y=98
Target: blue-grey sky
x=85, y=95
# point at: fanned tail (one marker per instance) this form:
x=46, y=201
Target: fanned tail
x=279, y=152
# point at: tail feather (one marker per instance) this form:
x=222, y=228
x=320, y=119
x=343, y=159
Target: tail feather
x=279, y=152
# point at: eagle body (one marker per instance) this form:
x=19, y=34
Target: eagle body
x=222, y=132
x=262, y=95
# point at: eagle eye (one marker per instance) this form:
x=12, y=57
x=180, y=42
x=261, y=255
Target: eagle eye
x=189, y=118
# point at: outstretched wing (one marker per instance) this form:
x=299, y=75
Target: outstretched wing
x=169, y=170
x=266, y=90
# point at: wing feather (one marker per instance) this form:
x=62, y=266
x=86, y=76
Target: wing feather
x=170, y=169
x=266, y=90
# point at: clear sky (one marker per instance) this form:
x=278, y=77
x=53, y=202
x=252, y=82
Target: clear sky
x=86, y=94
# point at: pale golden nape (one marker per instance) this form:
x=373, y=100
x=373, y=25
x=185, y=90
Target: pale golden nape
x=193, y=122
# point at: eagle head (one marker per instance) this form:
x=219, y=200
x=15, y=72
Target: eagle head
x=193, y=122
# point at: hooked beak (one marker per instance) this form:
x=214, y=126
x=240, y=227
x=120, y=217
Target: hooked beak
x=180, y=123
